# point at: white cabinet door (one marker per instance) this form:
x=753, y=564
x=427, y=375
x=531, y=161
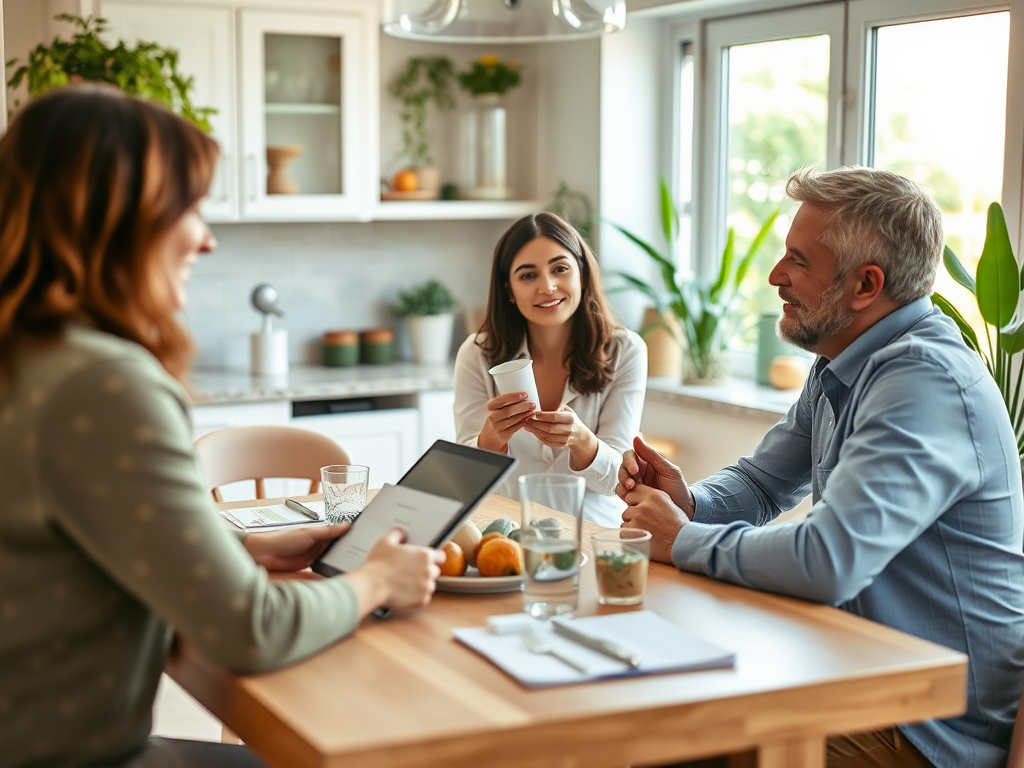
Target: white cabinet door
x=204, y=39
x=437, y=417
x=386, y=441
x=305, y=88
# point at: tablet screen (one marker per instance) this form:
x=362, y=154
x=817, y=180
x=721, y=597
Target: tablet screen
x=452, y=472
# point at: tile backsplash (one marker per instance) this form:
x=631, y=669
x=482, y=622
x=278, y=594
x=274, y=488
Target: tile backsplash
x=330, y=276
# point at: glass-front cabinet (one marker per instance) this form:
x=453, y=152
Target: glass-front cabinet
x=305, y=116
x=294, y=89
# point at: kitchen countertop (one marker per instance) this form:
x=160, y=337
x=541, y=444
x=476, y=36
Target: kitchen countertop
x=736, y=396
x=314, y=382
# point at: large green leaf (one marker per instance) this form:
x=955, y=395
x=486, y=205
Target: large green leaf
x=956, y=269
x=1012, y=338
x=669, y=214
x=755, y=246
x=725, y=268
x=998, y=278
x=970, y=337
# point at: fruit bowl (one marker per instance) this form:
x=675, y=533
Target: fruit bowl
x=474, y=583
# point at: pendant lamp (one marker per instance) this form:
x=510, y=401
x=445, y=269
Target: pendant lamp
x=502, y=21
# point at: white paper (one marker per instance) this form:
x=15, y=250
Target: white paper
x=661, y=645
x=423, y=516
x=272, y=515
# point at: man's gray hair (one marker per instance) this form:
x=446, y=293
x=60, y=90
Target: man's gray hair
x=876, y=217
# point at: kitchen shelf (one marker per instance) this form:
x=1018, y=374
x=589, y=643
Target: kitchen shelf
x=416, y=210
x=303, y=108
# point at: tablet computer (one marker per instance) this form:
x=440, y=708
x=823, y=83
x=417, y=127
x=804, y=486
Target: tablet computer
x=449, y=471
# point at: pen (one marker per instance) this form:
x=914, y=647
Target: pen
x=293, y=504
x=601, y=646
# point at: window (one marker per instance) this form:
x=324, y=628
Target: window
x=946, y=129
x=915, y=86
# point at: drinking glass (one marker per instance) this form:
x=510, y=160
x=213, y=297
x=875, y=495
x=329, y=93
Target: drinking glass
x=344, y=491
x=551, y=544
x=621, y=556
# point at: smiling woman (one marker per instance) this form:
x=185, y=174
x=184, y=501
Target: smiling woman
x=108, y=535
x=547, y=303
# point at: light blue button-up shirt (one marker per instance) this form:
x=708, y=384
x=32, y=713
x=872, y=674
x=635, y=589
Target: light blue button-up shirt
x=918, y=519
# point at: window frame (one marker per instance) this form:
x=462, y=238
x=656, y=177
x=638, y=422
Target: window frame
x=850, y=111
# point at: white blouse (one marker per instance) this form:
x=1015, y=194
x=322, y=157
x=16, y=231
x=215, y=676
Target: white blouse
x=612, y=415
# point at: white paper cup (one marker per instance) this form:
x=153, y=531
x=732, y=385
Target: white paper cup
x=516, y=376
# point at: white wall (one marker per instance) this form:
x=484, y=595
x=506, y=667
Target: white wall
x=329, y=276
x=632, y=153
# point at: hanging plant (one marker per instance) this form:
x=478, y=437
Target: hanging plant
x=426, y=80
x=148, y=70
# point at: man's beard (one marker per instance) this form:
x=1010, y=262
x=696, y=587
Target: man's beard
x=810, y=326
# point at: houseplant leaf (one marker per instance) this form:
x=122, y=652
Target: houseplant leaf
x=957, y=272
x=970, y=337
x=669, y=214
x=755, y=247
x=725, y=268
x=998, y=279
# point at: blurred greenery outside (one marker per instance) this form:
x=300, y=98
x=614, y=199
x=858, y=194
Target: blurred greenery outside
x=937, y=122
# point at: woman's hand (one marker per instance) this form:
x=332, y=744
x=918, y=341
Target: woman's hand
x=506, y=415
x=292, y=549
x=563, y=429
x=396, y=575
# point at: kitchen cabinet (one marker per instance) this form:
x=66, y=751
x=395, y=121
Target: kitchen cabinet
x=437, y=417
x=305, y=84
x=204, y=39
x=314, y=73
x=386, y=440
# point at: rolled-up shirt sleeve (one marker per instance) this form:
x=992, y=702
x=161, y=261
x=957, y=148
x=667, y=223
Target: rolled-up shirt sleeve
x=898, y=472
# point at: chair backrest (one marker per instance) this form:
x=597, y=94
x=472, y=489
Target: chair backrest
x=1016, y=758
x=256, y=453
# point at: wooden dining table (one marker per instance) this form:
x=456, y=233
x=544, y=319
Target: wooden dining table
x=403, y=692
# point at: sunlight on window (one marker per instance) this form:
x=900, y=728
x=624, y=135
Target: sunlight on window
x=778, y=123
x=940, y=110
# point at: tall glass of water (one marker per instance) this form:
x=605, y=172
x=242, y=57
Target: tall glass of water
x=552, y=508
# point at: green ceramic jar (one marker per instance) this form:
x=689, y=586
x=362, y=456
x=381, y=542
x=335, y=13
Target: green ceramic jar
x=341, y=348
x=378, y=346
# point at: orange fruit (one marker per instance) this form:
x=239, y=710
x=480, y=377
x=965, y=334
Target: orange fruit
x=499, y=557
x=480, y=543
x=405, y=181
x=454, y=561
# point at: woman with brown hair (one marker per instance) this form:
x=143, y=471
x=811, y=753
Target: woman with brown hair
x=108, y=536
x=547, y=303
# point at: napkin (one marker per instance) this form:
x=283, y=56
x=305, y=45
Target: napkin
x=661, y=645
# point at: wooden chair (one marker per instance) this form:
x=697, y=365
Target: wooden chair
x=1016, y=757
x=256, y=453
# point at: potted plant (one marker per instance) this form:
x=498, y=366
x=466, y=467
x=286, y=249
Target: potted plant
x=147, y=70
x=425, y=80
x=487, y=79
x=426, y=309
x=703, y=310
x=997, y=288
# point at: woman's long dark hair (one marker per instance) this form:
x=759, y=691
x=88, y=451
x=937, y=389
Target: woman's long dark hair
x=589, y=357
x=90, y=180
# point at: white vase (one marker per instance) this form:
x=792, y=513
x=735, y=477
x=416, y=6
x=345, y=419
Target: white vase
x=483, y=142
x=431, y=337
